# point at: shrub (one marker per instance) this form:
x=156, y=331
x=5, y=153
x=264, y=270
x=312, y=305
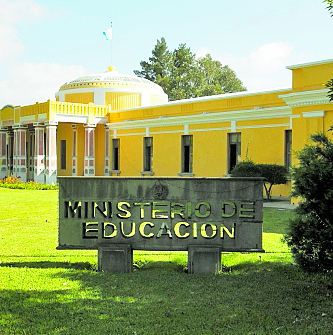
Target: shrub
x=273, y=173
x=310, y=234
x=11, y=180
x=16, y=183
x=245, y=169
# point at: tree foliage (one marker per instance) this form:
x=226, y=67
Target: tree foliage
x=329, y=84
x=310, y=234
x=182, y=76
x=274, y=174
x=246, y=169
x=329, y=5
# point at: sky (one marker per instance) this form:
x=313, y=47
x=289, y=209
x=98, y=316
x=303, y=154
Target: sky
x=45, y=43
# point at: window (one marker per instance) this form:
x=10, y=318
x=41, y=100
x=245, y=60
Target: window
x=234, y=150
x=187, y=153
x=288, y=148
x=63, y=154
x=147, y=154
x=115, y=154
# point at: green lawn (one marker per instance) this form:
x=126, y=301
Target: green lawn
x=46, y=291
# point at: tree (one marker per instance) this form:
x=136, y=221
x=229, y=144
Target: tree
x=182, y=76
x=274, y=174
x=159, y=64
x=329, y=84
x=329, y=5
x=310, y=235
x=214, y=78
x=246, y=169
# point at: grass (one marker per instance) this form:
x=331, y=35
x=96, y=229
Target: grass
x=46, y=291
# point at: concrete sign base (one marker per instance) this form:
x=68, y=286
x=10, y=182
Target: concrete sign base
x=206, y=260
x=119, y=259
x=115, y=258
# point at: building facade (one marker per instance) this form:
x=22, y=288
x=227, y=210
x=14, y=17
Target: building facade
x=110, y=124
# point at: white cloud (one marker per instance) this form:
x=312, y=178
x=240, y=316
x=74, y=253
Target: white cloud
x=13, y=13
x=202, y=52
x=10, y=44
x=269, y=57
x=18, y=11
x=28, y=83
x=264, y=68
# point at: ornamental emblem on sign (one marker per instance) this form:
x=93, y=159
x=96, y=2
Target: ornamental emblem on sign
x=160, y=191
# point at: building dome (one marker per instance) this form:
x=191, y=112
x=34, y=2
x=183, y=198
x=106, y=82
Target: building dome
x=112, y=88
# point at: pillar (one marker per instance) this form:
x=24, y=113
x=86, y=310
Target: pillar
x=10, y=152
x=89, y=149
x=51, y=152
x=3, y=152
x=107, y=152
x=20, y=154
x=31, y=155
x=39, y=164
x=205, y=260
x=74, y=151
x=116, y=258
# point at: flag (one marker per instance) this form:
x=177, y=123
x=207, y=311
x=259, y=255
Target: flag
x=108, y=34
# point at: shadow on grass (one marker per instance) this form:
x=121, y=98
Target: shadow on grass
x=159, y=265
x=265, y=298
x=50, y=265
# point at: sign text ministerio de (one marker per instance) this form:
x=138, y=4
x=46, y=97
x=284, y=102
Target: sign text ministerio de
x=160, y=213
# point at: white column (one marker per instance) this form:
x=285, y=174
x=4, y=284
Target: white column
x=89, y=149
x=74, y=151
x=51, y=152
x=3, y=152
x=20, y=155
x=107, y=152
x=10, y=152
x=39, y=164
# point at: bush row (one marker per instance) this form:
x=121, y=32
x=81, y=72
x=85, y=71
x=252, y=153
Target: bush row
x=16, y=183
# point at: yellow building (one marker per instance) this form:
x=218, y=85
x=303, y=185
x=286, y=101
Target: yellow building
x=115, y=124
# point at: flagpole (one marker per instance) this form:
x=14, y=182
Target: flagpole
x=111, y=48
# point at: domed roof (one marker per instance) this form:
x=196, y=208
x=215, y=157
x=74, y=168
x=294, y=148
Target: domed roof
x=110, y=78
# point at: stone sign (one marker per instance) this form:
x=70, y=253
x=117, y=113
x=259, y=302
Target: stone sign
x=203, y=216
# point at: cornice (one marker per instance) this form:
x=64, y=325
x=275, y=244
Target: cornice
x=239, y=115
x=298, y=66
x=307, y=98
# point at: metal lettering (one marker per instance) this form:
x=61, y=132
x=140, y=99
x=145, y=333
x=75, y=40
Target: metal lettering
x=204, y=231
x=132, y=233
x=90, y=230
x=106, y=225
x=225, y=229
x=228, y=209
x=142, y=229
x=180, y=210
x=161, y=210
x=164, y=230
x=73, y=209
x=197, y=208
x=242, y=209
x=127, y=213
x=142, y=211
x=195, y=230
x=103, y=211
x=176, y=229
